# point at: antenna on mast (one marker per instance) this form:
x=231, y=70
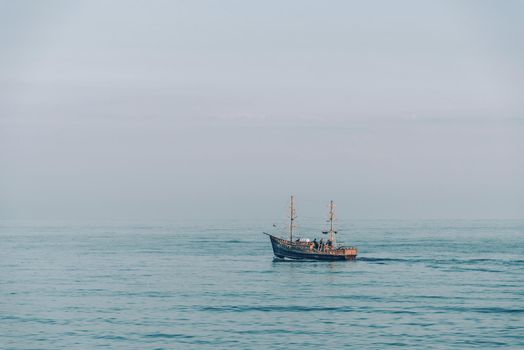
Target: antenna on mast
x=292, y=217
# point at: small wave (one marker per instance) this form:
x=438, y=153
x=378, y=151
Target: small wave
x=168, y=335
x=274, y=331
x=295, y=308
x=473, y=269
x=111, y=337
x=383, y=260
x=441, y=261
x=489, y=310
x=237, y=308
x=232, y=241
x=33, y=319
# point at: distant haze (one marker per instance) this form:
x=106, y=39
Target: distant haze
x=222, y=109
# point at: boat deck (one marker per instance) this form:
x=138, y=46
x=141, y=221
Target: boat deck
x=283, y=248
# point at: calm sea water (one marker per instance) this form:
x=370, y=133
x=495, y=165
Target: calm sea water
x=426, y=285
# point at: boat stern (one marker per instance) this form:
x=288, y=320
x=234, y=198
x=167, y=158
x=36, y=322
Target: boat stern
x=350, y=253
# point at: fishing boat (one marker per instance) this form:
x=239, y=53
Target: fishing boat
x=306, y=249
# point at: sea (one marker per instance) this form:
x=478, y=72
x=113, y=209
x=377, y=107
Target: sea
x=439, y=284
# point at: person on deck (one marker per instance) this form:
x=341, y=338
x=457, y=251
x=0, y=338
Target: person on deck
x=315, y=243
x=321, y=244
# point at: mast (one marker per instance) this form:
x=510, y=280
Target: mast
x=292, y=217
x=331, y=219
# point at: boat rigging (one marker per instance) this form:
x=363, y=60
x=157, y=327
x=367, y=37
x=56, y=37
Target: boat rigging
x=306, y=249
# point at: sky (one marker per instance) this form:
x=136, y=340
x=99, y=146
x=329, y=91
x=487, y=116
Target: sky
x=193, y=110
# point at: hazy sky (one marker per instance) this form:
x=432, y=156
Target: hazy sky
x=222, y=109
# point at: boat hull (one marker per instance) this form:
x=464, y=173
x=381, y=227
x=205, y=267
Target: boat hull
x=301, y=250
